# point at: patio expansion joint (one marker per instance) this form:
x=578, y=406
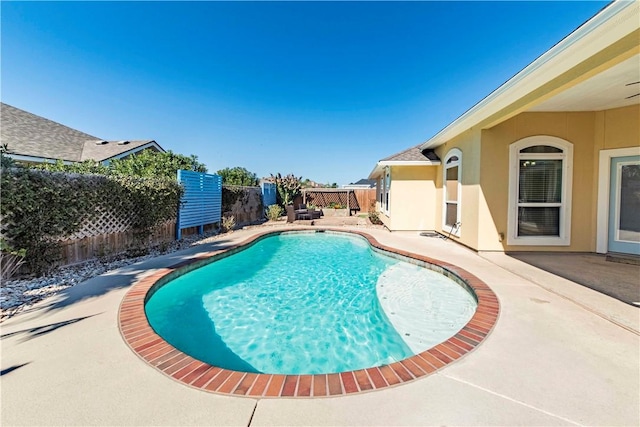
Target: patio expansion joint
x=510, y=399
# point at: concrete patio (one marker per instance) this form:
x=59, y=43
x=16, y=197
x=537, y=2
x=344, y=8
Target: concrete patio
x=560, y=354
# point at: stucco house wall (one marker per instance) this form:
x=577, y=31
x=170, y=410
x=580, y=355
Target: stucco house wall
x=469, y=144
x=485, y=221
x=413, y=192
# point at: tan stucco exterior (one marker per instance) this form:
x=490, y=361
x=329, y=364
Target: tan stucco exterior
x=585, y=71
x=589, y=132
x=469, y=144
x=485, y=177
x=412, y=198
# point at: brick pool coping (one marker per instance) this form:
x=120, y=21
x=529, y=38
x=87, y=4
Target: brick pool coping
x=153, y=349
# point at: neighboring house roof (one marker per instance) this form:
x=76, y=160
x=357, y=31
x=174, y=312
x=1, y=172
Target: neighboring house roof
x=594, y=68
x=370, y=182
x=103, y=150
x=31, y=137
x=363, y=183
x=413, y=156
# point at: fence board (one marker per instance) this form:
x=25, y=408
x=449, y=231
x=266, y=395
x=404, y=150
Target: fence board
x=202, y=200
x=101, y=245
x=365, y=197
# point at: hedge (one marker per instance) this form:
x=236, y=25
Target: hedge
x=40, y=208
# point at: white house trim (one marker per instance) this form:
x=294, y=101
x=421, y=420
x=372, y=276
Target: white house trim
x=133, y=151
x=604, y=174
x=567, y=179
x=35, y=159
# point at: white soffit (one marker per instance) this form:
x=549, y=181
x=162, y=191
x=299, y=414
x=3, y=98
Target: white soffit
x=616, y=87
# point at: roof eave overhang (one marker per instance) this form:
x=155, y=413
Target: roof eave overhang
x=379, y=168
x=617, y=21
x=36, y=159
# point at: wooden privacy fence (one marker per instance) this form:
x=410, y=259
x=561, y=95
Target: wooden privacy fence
x=108, y=234
x=365, y=196
x=79, y=249
x=201, y=203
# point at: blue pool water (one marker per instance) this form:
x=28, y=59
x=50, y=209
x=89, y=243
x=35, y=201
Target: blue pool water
x=298, y=303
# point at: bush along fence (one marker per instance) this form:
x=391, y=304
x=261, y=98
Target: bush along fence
x=57, y=218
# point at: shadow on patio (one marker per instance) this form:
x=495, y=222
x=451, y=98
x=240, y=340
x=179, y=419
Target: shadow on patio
x=617, y=280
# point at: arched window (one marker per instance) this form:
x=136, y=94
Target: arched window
x=452, y=191
x=540, y=172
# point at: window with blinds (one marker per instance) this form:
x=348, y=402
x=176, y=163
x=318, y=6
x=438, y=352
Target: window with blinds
x=540, y=191
x=539, y=197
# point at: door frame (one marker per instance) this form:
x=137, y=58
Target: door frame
x=604, y=184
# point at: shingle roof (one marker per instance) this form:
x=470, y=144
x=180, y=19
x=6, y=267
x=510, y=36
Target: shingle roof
x=31, y=135
x=413, y=154
x=363, y=181
x=27, y=134
x=109, y=149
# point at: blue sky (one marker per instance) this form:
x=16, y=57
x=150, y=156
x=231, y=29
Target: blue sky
x=322, y=90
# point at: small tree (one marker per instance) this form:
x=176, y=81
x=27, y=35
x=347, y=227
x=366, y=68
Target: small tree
x=148, y=163
x=5, y=161
x=238, y=176
x=145, y=164
x=288, y=187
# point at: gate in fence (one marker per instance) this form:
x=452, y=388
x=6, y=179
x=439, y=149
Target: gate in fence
x=201, y=203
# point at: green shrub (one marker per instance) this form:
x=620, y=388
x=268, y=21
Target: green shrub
x=40, y=208
x=373, y=214
x=238, y=176
x=10, y=260
x=336, y=205
x=287, y=188
x=274, y=212
x=145, y=163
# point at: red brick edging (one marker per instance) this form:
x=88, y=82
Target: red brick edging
x=141, y=338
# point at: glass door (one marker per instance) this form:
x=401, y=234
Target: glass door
x=624, y=205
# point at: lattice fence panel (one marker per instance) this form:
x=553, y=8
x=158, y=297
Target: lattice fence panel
x=104, y=222
x=323, y=199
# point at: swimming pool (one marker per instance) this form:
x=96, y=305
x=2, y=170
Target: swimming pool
x=161, y=355
x=305, y=303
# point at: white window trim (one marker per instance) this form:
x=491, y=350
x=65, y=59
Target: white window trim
x=565, y=206
x=604, y=174
x=455, y=231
